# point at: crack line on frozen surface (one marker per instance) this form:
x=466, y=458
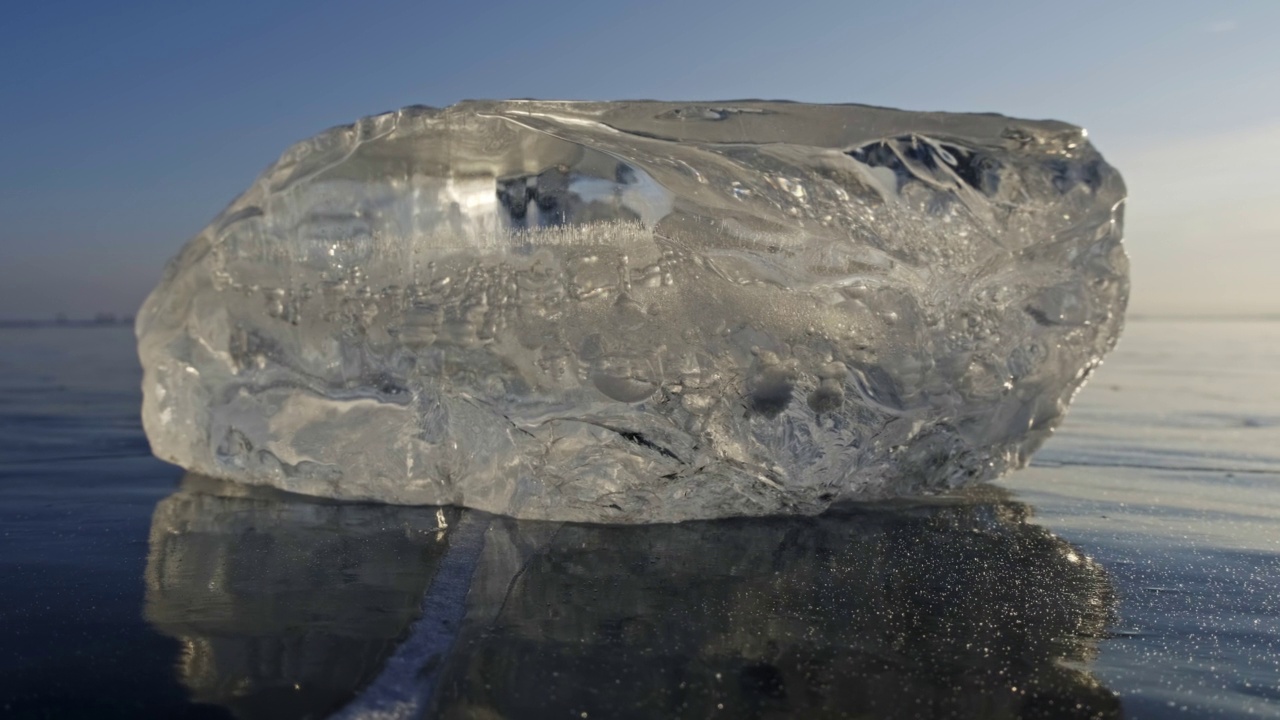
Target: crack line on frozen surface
x=404, y=688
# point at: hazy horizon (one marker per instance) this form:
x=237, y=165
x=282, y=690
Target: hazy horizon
x=141, y=123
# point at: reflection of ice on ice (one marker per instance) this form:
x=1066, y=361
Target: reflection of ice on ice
x=284, y=606
x=924, y=609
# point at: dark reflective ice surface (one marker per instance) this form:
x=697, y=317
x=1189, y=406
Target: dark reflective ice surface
x=283, y=606
x=287, y=606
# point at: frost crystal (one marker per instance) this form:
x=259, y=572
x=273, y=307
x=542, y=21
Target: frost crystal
x=640, y=312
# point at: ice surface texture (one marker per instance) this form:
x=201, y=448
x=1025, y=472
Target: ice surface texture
x=929, y=609
x=640, y=311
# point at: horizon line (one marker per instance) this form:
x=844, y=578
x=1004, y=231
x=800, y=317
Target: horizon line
x=107, y=319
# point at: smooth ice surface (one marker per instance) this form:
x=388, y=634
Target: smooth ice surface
x=640, y=311
x=955, y=607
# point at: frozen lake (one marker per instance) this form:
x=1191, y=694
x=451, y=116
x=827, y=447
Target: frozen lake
x=1133, y=571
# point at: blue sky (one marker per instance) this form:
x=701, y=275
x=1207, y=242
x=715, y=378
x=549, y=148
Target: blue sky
x=128, y=125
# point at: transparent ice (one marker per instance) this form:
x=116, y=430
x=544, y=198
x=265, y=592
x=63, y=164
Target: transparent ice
x=640, y=311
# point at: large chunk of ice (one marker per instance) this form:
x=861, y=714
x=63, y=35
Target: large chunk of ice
x=641, y=311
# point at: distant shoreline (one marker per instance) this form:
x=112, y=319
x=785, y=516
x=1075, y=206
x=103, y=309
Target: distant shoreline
x=95, y=323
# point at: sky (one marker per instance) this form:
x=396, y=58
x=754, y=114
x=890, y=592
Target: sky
x=128, y=125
